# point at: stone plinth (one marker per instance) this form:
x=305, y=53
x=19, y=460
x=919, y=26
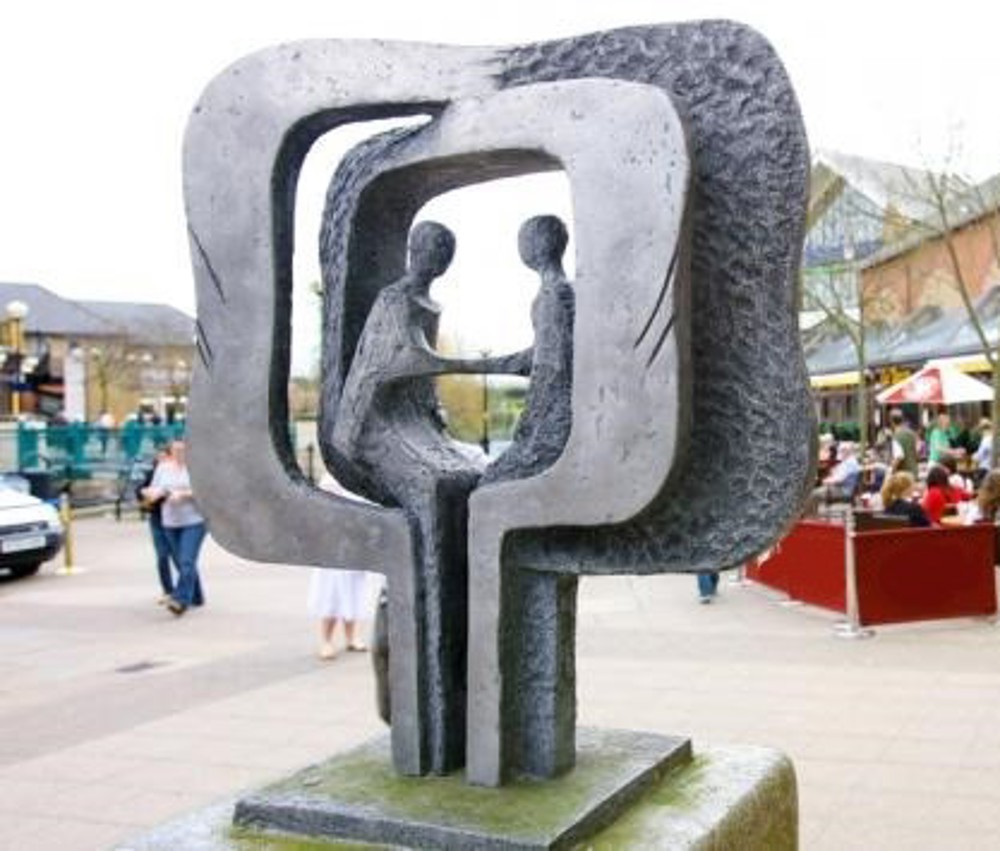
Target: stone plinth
x=733, y=797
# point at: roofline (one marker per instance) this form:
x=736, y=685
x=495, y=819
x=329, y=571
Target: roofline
x=895, y=249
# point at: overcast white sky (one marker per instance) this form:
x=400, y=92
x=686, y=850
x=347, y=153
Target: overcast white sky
x=94, y=97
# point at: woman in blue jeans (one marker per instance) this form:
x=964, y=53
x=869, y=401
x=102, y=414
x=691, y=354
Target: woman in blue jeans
x=183, y=526
x=153, y=509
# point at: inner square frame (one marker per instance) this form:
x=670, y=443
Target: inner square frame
x=240, y=216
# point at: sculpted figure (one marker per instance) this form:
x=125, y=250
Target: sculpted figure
x=544, y=424
x=543, y=690
x=389, y=428
x=389, y=423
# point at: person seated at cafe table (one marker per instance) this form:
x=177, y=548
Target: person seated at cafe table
x=840, y=485
x=939, y=494
x=842, y=481
x=961, y=487
x=827, y=456
x=897, y=499
x=982, y=458
x=987, y=503
x=874, y=473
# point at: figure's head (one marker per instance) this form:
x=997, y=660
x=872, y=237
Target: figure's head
x=432, y=246
x=943, y=419
x=541, y=242
x=896, y=417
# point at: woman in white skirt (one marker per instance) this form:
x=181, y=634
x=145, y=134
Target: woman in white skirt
x=338, y=595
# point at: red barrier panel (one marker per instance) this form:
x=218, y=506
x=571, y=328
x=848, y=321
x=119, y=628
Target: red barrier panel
x=902, y=574
x=925, y=574
x=807, y=565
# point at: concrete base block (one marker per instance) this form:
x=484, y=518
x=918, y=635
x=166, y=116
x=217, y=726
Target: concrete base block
x=358, y=796
x=732, y=797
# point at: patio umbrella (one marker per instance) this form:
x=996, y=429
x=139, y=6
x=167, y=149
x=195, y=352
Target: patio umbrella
x=936, y=385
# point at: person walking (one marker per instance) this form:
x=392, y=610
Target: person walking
x=153, y=509
x=939, y=438
x=183, y=525
x=904, y=450
x=708, y=585
x=338, y=595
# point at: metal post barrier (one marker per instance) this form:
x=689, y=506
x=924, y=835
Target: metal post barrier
x=851, y=628
x=66, y=515
x=790, y=603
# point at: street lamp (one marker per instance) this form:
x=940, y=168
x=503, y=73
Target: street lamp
x=17, y=310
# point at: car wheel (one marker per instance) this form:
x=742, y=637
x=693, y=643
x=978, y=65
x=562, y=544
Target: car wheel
x=23, y=570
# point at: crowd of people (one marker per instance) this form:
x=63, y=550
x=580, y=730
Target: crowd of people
x=944, y=476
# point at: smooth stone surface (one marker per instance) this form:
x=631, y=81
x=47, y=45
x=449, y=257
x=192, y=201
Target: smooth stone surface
x=725, y=797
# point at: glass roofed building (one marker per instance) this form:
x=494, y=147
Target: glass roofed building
x=881, y=250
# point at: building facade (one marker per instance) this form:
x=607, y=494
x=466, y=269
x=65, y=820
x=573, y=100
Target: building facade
x=891, y=248
x=78, y=359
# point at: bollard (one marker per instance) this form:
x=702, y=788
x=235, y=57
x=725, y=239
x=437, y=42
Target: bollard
x=851, y=627
x=66, y=515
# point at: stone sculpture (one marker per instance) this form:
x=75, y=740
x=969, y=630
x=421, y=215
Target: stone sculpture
x=688, y=166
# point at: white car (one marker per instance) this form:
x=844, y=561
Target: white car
x=30, y=531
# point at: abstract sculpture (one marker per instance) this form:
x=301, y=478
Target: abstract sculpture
x=688, y=167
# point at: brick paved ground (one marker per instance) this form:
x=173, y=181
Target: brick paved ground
x=115, y=716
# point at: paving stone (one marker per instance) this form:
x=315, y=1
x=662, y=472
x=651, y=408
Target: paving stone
x=762, y=658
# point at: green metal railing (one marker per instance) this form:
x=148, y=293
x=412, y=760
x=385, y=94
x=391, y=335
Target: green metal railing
x=101, y=465
x=92, y=463
x=80, y=449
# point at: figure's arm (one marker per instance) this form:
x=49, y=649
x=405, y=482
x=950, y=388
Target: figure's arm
x=517, y=363
x=423, y=360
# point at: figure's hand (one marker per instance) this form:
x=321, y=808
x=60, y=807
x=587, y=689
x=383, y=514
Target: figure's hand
x=518, y=363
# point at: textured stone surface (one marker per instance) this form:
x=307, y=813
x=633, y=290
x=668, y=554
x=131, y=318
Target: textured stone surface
x=732, y=797
x=684, y=324
x=750, y=400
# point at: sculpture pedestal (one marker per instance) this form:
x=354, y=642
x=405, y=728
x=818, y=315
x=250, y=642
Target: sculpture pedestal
x=721, y=797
